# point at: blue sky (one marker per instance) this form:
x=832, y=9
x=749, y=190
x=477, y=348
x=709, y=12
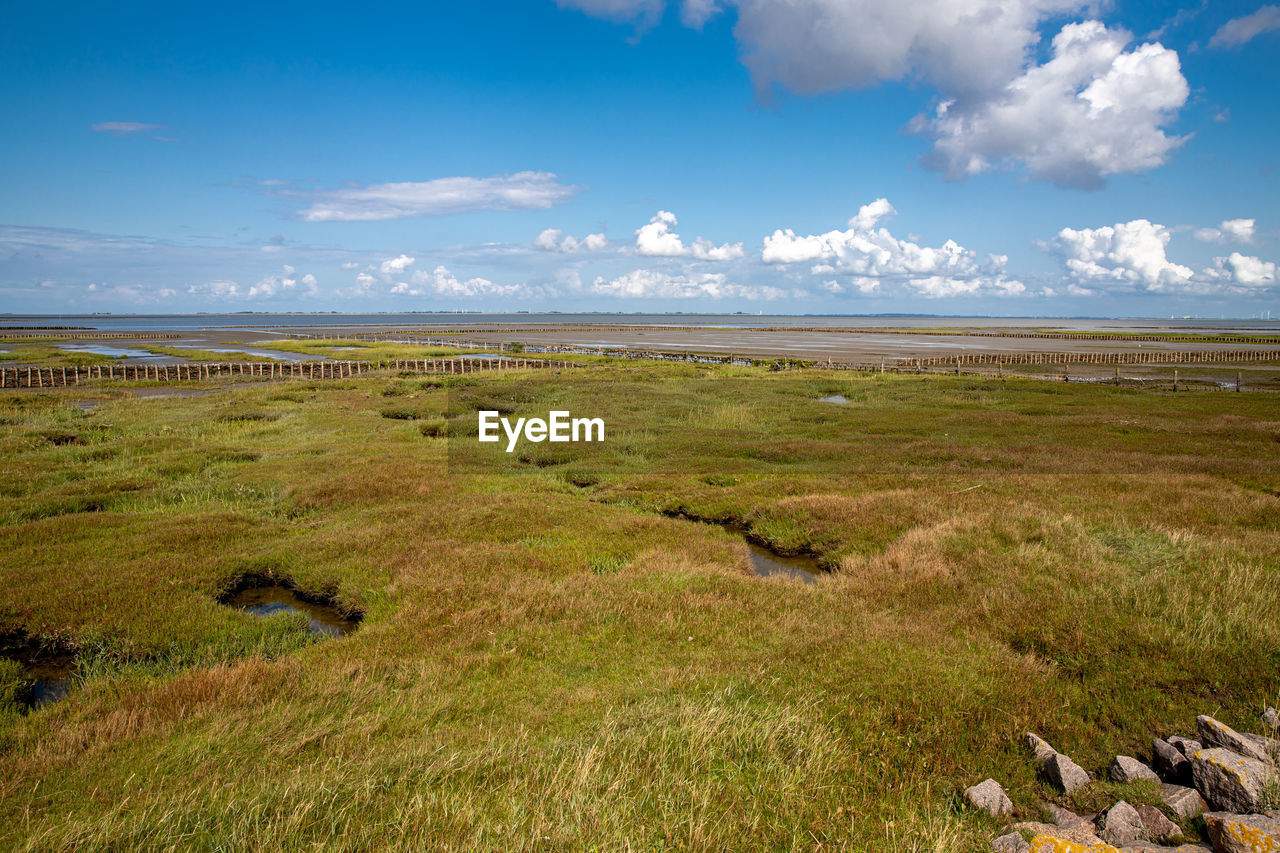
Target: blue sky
x=1008, y=157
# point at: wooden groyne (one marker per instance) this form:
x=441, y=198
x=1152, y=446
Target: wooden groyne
x=47, y=335
x=57, y=377
x=1101, y=358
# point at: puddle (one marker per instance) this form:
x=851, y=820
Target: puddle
x=114, y=352
x=764, y=562
x=50, y=667
x=84, y=405
x=326, y=620
x=838, y=399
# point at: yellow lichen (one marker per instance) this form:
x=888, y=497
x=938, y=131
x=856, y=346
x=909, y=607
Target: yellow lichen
x=1053, y=844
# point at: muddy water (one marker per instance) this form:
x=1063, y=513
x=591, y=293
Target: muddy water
x=325, y=620
x=838, y=399
x=50, y=669
x=765, y=563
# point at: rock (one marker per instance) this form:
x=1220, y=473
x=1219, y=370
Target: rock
x=1057, y=844
x=1126, y=769
x=1083, y=835
x=1159, y=827
x=1220, y=735
x=1271, y=719
x=1064, y=818
x=1121, y=824
x=1011, y=843
x=1065, y=773
x=1186, y=803
x=1186, y=746
x=1270, y=746
x=1040, y=749
x=989, y=797
x=1170, y=764
x=1231, y=833
x=1229, y=782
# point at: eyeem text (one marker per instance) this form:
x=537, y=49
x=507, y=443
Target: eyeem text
x=558, y=426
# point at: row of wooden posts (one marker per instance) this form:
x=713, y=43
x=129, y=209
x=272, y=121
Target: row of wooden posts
x=54, y=377
x=44, y=334
x=1152, y=357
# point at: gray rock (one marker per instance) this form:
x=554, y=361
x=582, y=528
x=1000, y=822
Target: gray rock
x=1076, y=835
x=1064, y=818
x=1233, y=833
x=1186, y=803
x=1229, y=782
x=1126, y=769
x=1270, y=746
x=989, y=797
x=1121, y=824
x=1186, y=746
x=1040, y=749
x=1170, y=764
x=1159, y=827
x=1271, y=719
x=1011, y=843
x=1142, y=847
x=1065, y=773
x=1217, y=734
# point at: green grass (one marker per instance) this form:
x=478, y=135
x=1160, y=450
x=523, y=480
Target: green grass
x=548, y=660
x=193, y=354
x=51, y=355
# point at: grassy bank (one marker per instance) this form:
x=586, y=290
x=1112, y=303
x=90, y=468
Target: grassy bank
x=549, y=660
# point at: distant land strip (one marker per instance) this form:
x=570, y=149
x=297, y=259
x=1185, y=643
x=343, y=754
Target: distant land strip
x=1155, y=337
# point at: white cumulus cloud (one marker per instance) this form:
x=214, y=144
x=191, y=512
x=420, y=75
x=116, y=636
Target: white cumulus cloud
x=555, y=240
x=396, y=266
x=658, y=240
x=1231, y=230
x=378, y=202
x=1092, y=110
x=1132, y=256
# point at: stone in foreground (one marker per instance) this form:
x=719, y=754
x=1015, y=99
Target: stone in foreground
x=1082, y=835
x=1170, y=764
x=1186, y=803
x=1040, y=749
x=1121, y=824
x=1229, y=782
x=1057, y=844
x=1011, y=843
x=1126, y=769
x=1065, y=818
x=1271, y=719
x=1159, y=827
x=1186, y=746
x=1065, y=773
x=1220, y=735
x=1232, y=833
x=989, y=797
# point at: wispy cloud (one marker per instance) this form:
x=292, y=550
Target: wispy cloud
x=379, y=202
x=1238, y=31
x=131, y=128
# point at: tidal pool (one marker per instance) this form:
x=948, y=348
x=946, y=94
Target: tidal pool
x=324, y=619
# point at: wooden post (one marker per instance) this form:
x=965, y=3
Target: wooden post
x=1117, y=376
x=1175, y=379
x=1237, y=382
x=1066, y=373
